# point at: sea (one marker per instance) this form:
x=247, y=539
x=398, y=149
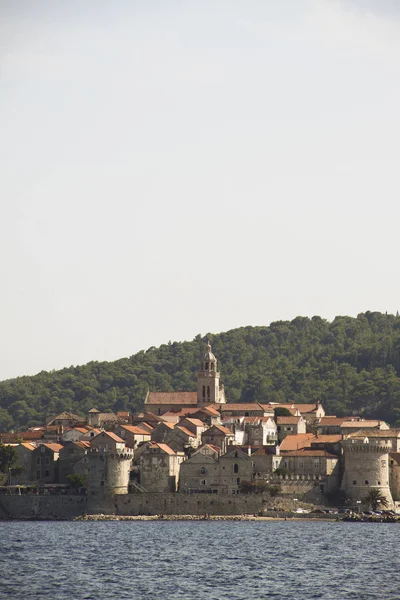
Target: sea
x=199, y=560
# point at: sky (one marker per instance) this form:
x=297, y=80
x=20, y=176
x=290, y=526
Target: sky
x=170, y=168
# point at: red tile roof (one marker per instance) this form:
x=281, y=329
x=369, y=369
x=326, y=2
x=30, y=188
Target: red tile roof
x=135, y=429
x=294, y=442
x=164, y=447
x=171, y=398
x=185, y=431
x=306, y=408
x=352, y=424
x=242, y=407
x=288, y=420
x=53, y=447
x=195, y=422
x=221, y=428
x=311, y=453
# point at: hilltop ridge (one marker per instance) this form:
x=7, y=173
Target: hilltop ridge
x=352, y=365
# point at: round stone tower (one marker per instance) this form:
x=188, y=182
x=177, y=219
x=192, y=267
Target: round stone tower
x=109, y=471
x=366, y=466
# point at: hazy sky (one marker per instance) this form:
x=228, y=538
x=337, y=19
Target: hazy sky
x=170, y=168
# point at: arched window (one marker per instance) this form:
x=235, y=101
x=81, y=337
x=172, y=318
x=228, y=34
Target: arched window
x=206, y=366
x=212, y=366
x=203, y=471
x=204, y=391
x=236, y=468
x=238, y=480
x=208, y=391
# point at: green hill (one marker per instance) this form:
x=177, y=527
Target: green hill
x=352, y=365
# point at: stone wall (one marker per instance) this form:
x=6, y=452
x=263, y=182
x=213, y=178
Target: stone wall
x=67, y=507
x=189, y=504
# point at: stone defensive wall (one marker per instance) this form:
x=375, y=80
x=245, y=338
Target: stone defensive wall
x=70, y=506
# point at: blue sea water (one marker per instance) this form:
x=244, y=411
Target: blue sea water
x=199, y=560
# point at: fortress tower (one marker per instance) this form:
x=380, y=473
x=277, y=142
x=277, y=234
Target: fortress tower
x=109, y=471
x=208, y=389
x=366, y=465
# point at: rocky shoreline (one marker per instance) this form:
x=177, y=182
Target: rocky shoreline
x=199, y=518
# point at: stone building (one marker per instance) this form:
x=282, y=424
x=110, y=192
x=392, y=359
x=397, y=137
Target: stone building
x=133, y=435
x=209, y=390
x=290, y=426
x=266, y=460
x=235, y=467
x=200, y=473
x=260, y=431
x=218, y=435
x=73, y=460
x=66, y=419
x=318, y=464
x=24, y=460
x=45, y=463
x=159, y=468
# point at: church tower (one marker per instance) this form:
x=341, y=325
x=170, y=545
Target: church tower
x=208, y=390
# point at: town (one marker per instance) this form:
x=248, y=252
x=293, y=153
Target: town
x=199, y=444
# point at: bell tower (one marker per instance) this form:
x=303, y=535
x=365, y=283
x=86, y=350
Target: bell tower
x=208, y=391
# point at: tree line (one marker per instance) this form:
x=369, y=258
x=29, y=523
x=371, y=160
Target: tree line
x=352, y=365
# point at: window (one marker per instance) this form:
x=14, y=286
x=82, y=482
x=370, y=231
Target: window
x=238, y=480
x=366, y=482
x=203, y=482
x=208, y=391
x=206, y=366
x=102, y=483
x=212, y=366
x=47, y=473
x=38, y=460
x=203, y=471
x=47, y=461
x=354, y=482
x=236, y=454
x=37, y=474
x=236, y=468
x=204, y=391
x=383, y=463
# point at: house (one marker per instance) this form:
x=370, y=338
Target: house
x=32, y=436
x=74, y=434
x=348, y=427
x=290, y=426
x=296, y=442
x=133, y=434
x=161, y=432
x=266, y=460
x=73, y=460
x=317, y=464
x=260, y=431
x=252, y=409
x=45, y=463
x=236, y=467
x=159, y=468
x=200, y=473
x=65, y=420
x=107, y=441
x=218, y=435
x=206, y=472
x=95, y=418
x=24, y=461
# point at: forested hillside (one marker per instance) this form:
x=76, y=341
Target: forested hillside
x=351, y=364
